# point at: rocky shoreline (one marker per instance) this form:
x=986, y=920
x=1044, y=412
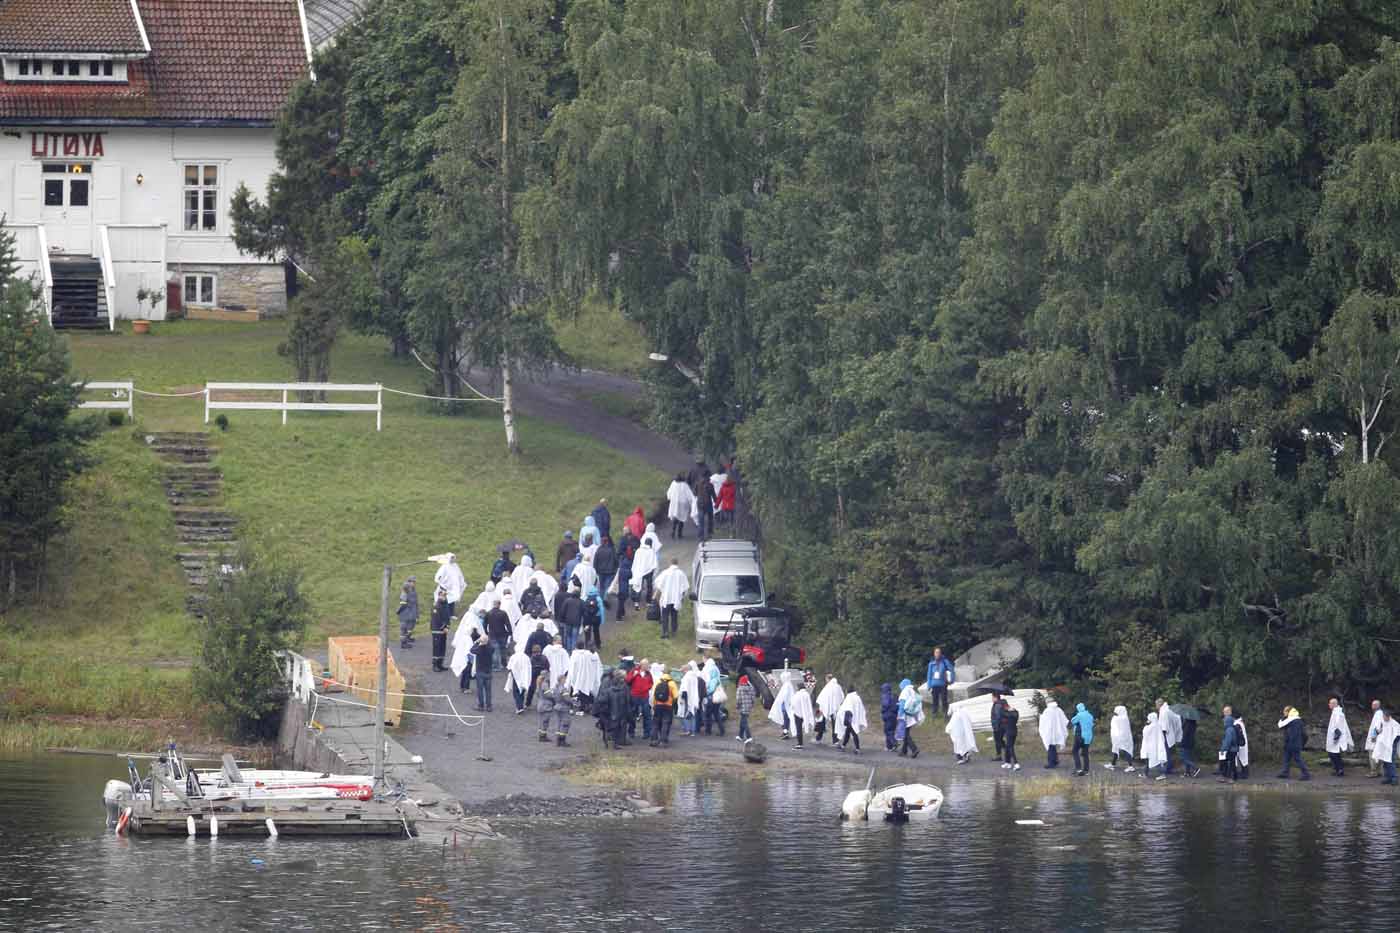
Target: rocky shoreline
x=535, y=808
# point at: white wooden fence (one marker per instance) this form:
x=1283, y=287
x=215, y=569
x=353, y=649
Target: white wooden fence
x=285, y=405
x=116, y=388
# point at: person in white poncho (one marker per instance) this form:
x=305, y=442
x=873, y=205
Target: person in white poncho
x=518, y=676
x=1120, y=736
x=1154, y=747
x=828, y=704
x=778, y=715
x=691, y=692
x=643, y=572
x=520, y=576
x=558, y=660
x=851, y=715
x=449, y=577
x=959, y=729
x=1385, y=746
x=680, y=503
x=671, y=587
x=1338, y=736
x=650, y=537
x=800, y=709
x=585, y=676
x=1054, y=730
x=468, y=631
x=1373, y=730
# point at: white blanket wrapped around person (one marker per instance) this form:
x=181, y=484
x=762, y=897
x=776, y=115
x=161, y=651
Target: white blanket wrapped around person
x=468, y=631
x=518, y=670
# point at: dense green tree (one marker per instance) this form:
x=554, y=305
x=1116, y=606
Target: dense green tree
x=253, y=612
x=41, y=442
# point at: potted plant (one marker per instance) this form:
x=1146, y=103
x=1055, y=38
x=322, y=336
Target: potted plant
x=147, y=296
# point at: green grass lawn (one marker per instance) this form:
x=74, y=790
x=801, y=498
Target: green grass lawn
x=326, y=493
x=597, y=336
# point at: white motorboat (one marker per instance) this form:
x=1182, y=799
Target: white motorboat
x=897, y=803
x=173, y=781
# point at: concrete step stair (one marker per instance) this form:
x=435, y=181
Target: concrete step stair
x=198, y=516
x=207, y=536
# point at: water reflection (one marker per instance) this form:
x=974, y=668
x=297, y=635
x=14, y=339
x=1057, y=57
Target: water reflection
x=731, y=854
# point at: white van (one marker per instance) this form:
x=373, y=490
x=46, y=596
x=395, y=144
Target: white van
x=725, y=576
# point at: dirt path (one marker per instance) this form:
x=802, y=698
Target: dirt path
x=561, y=396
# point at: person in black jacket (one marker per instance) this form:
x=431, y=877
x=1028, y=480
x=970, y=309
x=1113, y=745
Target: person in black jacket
x=605, y=563
x=619, y=708
x=538, y=665
x=1292, y=726
x=570, y=618
x=498, y=628
x=539, y=640
x=532, y=601
x=1010, y=720
x=483, y=649
x=602, y=518
x=996, y=722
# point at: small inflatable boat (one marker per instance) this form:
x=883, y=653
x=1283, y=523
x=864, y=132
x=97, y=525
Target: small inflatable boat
x=898, y=803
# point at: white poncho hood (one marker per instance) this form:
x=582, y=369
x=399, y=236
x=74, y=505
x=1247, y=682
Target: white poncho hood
x=1154, y=742
x=959, y=729
x=852, y=704
x=485, y=600
x=1338, y=723
x=831, y=697
x=651, y=538
x=691, y=689
x=520, y=576
x=1170, y=724
x=1054, y=727
x=1120, y=731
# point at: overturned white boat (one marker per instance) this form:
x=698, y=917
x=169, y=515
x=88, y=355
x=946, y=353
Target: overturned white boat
x=898, y=803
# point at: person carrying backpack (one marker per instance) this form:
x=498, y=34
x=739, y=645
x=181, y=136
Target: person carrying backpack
x=593, y=617
x=663, y=710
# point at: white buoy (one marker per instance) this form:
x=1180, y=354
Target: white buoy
x=189, y=826
x=271, y=827
x=213, y=827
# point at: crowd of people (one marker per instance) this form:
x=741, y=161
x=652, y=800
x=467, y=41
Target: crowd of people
x=544, y=631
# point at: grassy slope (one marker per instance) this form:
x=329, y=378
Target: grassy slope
x=598, y=337
x=327, y=492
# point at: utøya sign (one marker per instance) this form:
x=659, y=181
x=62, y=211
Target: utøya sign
x=65, y=145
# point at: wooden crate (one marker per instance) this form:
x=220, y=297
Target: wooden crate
x=354, y=660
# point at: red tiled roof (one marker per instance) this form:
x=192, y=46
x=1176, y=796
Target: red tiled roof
x=211, y=61
x=69, y=26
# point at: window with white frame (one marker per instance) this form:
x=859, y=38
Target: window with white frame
x=201, y=289
x=201, y=198
x=64, y=69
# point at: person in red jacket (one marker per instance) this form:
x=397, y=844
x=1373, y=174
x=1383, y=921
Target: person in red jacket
x=639, y=686
x=636, y=523
x=727, y=493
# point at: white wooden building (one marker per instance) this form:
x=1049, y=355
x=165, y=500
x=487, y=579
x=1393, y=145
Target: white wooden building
x=125, y=128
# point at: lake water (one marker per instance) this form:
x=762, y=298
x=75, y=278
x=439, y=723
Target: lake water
x=730, y=855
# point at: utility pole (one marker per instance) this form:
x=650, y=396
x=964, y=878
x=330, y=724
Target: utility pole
x=383, y=676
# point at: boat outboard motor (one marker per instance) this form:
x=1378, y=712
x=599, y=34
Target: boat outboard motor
x=899, y=812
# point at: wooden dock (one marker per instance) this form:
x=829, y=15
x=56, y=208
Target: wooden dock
x=249, y=818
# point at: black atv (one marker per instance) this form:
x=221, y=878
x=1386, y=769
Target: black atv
x=760, y=639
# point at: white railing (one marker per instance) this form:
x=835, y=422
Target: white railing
x=284, y=406
x=299, y=675
x=116, y=388
x=32, y=248
x=109, y=276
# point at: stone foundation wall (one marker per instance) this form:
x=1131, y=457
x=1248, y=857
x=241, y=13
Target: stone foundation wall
x=261, y=288
x=303, y=748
